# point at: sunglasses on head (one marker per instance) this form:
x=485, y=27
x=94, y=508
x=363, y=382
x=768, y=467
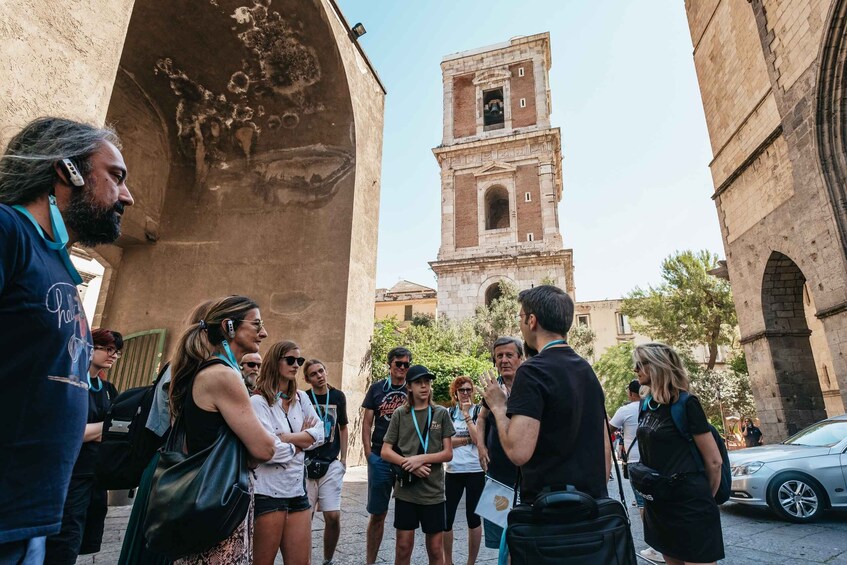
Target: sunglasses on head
x=252, y=364
x=402, y=364
x=291, y=360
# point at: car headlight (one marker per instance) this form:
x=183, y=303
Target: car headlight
x=746, y=468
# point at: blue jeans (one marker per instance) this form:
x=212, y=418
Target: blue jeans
x=23, y=552
x=380, y=484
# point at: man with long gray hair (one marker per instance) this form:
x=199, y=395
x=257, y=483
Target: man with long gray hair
x=61, y=182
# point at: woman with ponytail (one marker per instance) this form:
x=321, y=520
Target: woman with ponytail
x=207, y=392
x=283, y=520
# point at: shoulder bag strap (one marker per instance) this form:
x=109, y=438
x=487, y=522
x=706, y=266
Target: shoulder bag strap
x=615, y=460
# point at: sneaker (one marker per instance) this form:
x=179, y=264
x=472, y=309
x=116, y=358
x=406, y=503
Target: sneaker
x=652, y=555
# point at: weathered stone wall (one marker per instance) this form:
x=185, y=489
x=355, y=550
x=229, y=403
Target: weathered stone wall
x=758, y=66
x=467, y=207
x=59, y=58
x=464, y=106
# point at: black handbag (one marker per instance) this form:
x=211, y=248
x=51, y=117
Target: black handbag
x=650, y=483
x=197, y=501
x=572, y=528
x=316, y=467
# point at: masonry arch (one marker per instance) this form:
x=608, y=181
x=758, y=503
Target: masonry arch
x=497, y=214
x=797, y=390
x=492, y=293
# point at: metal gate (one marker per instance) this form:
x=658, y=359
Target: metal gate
x=139, y=364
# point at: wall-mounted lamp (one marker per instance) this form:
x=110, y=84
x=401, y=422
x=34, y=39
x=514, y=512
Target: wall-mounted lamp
x=358, y=30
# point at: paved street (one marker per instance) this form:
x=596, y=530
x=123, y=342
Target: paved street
x=752, y=536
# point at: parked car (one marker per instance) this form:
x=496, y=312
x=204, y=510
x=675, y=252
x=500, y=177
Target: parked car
x=797, y=478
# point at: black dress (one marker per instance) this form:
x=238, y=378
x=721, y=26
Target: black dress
x=688, y=526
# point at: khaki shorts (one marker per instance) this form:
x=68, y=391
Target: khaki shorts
x=325, y=493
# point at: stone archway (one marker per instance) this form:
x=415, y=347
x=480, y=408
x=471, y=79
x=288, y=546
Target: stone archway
x=796, y=399
x=492, y=293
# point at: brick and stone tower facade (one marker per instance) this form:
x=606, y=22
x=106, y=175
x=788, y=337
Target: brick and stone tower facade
x=501, y=176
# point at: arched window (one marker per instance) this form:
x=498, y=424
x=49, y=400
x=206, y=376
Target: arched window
x=492, y=293
x=496, y=208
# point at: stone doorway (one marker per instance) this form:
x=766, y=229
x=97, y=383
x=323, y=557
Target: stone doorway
x=796, y=399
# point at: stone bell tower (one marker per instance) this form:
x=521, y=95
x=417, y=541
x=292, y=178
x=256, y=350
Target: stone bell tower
x=501, y=176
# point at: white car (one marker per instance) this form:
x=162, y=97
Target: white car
x=797, y=478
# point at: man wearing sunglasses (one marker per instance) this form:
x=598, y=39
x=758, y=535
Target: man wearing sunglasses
x=250, y=365
x=382, y=398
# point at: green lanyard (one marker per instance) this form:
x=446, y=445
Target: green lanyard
x=59, y=232
x=424, y=443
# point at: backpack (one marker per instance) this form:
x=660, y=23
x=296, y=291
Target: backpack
x=127, y=446
x=680, y=420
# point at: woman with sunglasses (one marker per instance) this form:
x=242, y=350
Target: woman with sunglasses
x=85, y=506
x=464, y=473
x=283, y=521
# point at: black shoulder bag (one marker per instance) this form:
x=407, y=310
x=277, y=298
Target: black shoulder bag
x=197, y=501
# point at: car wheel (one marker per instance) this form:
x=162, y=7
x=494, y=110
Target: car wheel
x=796, y=497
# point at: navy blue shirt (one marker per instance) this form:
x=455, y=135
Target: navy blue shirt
x=45, y=349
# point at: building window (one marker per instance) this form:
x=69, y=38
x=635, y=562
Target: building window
x=530, y=237
x=520, y=71
x=493, y=111
x=623, y=324
x=584, y=320
x=407, y=313
x=523, y=102
x=527, y=197
x=496, y=208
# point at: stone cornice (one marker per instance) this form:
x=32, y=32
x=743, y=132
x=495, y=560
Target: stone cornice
x=774, y=333
x=519, y=259
x=831, y=311
x=551, y=134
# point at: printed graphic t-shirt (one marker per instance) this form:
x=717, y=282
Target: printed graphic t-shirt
x=383, y=399
x=663, y=447
x=558, y=388
x=402, y=433
x=333, y=417
x=45, y=347
x=465, y=457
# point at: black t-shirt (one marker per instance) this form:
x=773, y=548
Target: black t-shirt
x=558, y=388
x=753, y=437
x=383, y=398
x=99, y=402
x=661, y=445
x=334, y=416
x=45, y=348
x=500, y=468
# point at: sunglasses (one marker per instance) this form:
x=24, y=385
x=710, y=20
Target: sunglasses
x=638, y=367
x=291, y=360
x=402, y=364
x=109, y=350
x=465, y=390
x=258, y=324
x=252, y=364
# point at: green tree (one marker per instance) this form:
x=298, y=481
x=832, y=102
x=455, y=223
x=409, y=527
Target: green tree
x=723, y=393
x=500, y=318
x=689, y=307
x=614, y=369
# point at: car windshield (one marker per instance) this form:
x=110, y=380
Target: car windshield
x=822, y=434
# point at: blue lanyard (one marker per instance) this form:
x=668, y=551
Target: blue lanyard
x=554, y=342
x=59, y=232
x=91, y=386
x=318, y=404
x=229, y=359
x=388, y=387
x=424, y=443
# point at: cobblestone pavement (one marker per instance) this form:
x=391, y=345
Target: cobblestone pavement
x=751, y=535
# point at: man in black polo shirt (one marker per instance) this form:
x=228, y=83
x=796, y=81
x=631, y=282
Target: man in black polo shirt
x=553, y=425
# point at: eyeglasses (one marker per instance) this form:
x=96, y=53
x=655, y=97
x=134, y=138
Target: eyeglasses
x=258, y=324
x=402, y=364
x=465, y=390
x=109, y=350
x=291, y=360
x=252, y=364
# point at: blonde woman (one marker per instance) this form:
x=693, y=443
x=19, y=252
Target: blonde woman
x=207, y=393
x=283, y=520
x=683, y=523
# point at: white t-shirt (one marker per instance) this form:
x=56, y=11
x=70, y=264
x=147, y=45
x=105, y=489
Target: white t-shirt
x=626, y=419
x=466, y=457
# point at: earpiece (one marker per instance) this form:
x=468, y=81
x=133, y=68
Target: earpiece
x=230, y=329
x=70, y=170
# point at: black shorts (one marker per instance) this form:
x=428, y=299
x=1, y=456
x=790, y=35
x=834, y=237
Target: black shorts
x=432, y=518
x=265, y=504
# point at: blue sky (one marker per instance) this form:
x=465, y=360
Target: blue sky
x=624, y=93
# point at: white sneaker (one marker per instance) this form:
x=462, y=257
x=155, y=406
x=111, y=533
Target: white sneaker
x=652, y=555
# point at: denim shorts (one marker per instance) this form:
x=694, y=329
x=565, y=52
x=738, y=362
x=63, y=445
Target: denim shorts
x=265, y=504
x=380, y=484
